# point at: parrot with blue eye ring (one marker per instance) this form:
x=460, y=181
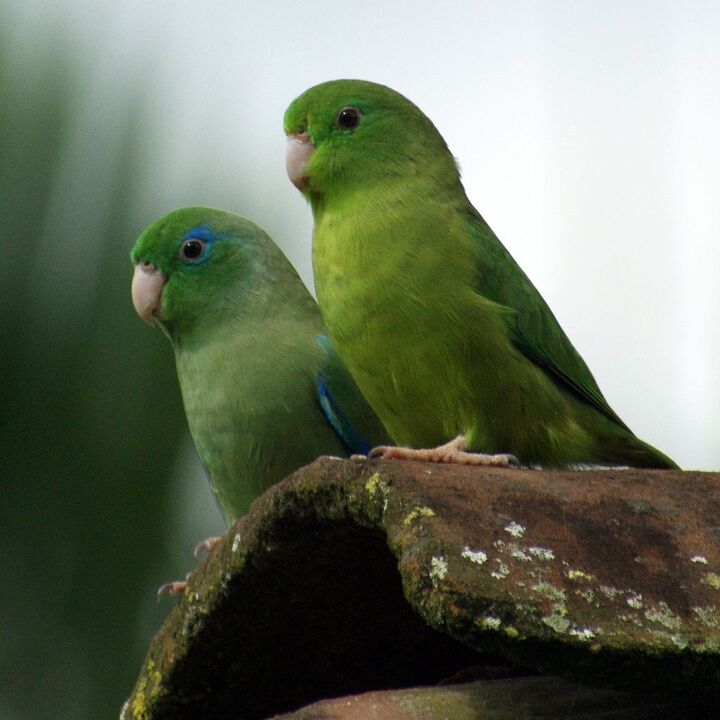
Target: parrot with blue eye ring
x=263, y=389
x=448, y=340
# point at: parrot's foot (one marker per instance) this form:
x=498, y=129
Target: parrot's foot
x=206, y=546
x=174, y=587
x=452, y=452
x=178, y=587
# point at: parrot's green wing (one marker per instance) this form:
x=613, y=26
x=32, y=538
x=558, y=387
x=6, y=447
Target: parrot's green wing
x=532, y=326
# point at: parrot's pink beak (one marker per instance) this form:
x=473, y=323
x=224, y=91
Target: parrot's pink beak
x=147, y=287
x=298, y=152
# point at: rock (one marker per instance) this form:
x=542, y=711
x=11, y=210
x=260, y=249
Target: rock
x=528, y=698
x=352, y=576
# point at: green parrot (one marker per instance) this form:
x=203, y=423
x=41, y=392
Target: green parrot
x=263, y=389
x=444, y=334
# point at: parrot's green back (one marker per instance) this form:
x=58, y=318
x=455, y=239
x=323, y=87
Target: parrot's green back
x=248, y=345
x=440, y=328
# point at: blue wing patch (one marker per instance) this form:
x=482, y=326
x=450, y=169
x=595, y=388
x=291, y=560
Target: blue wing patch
x=338, y=420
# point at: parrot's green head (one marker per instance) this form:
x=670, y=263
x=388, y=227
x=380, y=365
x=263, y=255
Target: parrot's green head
x=198, y=266
x=348, y=135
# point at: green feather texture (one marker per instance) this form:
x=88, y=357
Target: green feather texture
x=250, y=355
x=441, y=329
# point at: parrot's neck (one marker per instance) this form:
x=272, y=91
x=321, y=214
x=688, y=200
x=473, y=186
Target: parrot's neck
x=250, y=347
x=368, y=267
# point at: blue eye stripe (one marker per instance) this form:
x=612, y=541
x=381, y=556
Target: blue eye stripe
x=201, y=232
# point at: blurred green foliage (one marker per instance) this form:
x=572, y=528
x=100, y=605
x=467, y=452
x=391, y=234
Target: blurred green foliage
x=91, y=420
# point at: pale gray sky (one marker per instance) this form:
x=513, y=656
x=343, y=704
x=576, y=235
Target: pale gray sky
x=587, y=134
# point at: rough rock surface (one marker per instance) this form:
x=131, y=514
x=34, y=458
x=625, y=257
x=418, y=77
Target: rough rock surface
x=352, y=576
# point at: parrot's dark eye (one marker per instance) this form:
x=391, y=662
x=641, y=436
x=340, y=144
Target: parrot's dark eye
x=348, y=118
x=192, y=249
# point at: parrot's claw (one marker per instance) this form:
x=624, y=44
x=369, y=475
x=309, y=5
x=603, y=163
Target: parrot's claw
x=356, y=456
x=174, y=587
x=206, y=546
x=178, y=587
x=452, y=452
